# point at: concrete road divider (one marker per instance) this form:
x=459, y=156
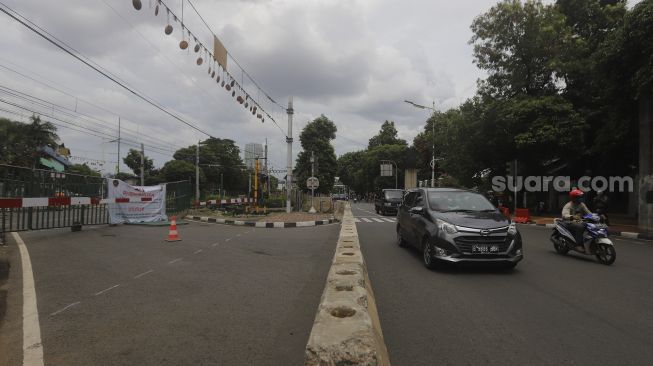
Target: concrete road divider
x=347, y=330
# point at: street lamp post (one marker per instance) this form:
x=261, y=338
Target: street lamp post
x=432, y=137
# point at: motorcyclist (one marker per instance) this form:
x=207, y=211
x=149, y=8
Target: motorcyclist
x=572, y=214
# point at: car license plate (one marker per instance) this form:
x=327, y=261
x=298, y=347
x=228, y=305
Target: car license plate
x=480, y=249
x=484, y=249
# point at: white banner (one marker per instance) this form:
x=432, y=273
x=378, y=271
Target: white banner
x=141, y=204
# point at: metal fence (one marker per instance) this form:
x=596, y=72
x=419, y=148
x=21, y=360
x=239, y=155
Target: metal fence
x=179, y=196
x=18, y=181
x=21, y=182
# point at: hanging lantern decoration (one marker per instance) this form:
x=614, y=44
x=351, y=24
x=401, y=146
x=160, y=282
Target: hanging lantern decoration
x=183, y=44
x=137, y=4
x=228, y=87
x=262, y=120
x=259, y=116
x=156, y=9
x=200, y=60
x=233, y=93
x=197, y=46
x=217, y=80
x=233, y=82
x=240, y=99
x=168, y=29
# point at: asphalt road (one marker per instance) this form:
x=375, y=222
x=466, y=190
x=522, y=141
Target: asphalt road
x=225, y=295
x=551, y=310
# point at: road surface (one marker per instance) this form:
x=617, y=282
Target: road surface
x=551, y=310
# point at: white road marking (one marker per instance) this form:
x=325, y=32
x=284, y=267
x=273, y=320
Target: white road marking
x=143, y=274
x=356, y=220
x=105, y=290
x=388, y=220
x=197, y=251
x=32, y=347
x=366, y=219
x=237, y=235
x=227, y=239
x=377, y=220
x=174, y=261
x=214, y=244
x=65, y=308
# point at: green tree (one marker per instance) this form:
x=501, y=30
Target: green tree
x=219, y=160
x=316, y=137
x=133, y=161
x=386, y=136
x=19, y=141
x=517, y=43
x=177, y=170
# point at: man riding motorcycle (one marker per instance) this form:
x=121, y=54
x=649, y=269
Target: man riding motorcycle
x=572, y=214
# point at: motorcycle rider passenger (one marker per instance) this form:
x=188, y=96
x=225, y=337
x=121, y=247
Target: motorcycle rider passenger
x=572, y=213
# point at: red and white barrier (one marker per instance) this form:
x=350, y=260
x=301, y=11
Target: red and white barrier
x=64, y=201
x=226, y=202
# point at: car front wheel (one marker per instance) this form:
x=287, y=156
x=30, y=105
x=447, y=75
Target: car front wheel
x=427, y=254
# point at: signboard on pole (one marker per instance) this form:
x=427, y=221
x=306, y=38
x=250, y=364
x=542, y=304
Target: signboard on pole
x=386, y=170
x=131, y=204
x=312, y=183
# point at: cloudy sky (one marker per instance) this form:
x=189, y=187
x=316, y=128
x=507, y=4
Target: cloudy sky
x=355, y=61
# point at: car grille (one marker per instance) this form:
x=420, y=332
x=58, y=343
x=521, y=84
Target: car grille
x=464, y=243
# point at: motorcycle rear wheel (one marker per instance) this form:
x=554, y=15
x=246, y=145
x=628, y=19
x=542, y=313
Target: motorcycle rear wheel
x=606, y=254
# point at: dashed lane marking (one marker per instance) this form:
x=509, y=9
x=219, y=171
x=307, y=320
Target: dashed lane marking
x=143, y=274
x=65, y=308
x=377, y=220
x=197, y=251
x=366, y=219
x=174, y=261
x=105, y=290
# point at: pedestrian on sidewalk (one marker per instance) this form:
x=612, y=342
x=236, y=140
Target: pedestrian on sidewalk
x=600, y=203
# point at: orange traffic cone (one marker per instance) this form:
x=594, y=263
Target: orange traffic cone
x=172, y=234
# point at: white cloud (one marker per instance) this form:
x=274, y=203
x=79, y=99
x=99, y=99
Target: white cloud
x=354, y=61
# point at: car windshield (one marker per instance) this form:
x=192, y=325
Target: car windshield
x=459, y=201
x=393, y=194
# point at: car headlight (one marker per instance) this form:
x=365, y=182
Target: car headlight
x=512, y=229
x=446, y=227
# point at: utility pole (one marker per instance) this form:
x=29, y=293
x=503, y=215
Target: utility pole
x=256, y=185
x=197, y=173
x=118, y=166
x=142, y=165
x=265, y=167
x=290, y=112
x=312, y=210
x=433, y=147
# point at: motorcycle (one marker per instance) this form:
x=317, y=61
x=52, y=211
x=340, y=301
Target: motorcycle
x=595, y=237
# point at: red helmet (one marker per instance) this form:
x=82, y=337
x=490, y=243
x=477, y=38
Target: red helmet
x=576, y=193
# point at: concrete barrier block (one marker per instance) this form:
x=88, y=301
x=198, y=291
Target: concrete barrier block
x=347, y=330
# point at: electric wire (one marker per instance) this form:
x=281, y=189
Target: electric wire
x=97, y=69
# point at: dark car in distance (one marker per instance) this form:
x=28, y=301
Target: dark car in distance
x=388, y=201
x=456, y=225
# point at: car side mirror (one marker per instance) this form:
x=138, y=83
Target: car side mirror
x=418, y=210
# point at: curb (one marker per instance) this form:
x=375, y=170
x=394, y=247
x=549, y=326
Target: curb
x=347, y=330
x=262, y=224
x=625, y=234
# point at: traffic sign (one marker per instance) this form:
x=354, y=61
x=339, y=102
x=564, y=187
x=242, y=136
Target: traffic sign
x=312, y=183
x=432, y=163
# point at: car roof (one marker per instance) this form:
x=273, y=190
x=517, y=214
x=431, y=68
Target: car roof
x=391, y=189
x=442, y=189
